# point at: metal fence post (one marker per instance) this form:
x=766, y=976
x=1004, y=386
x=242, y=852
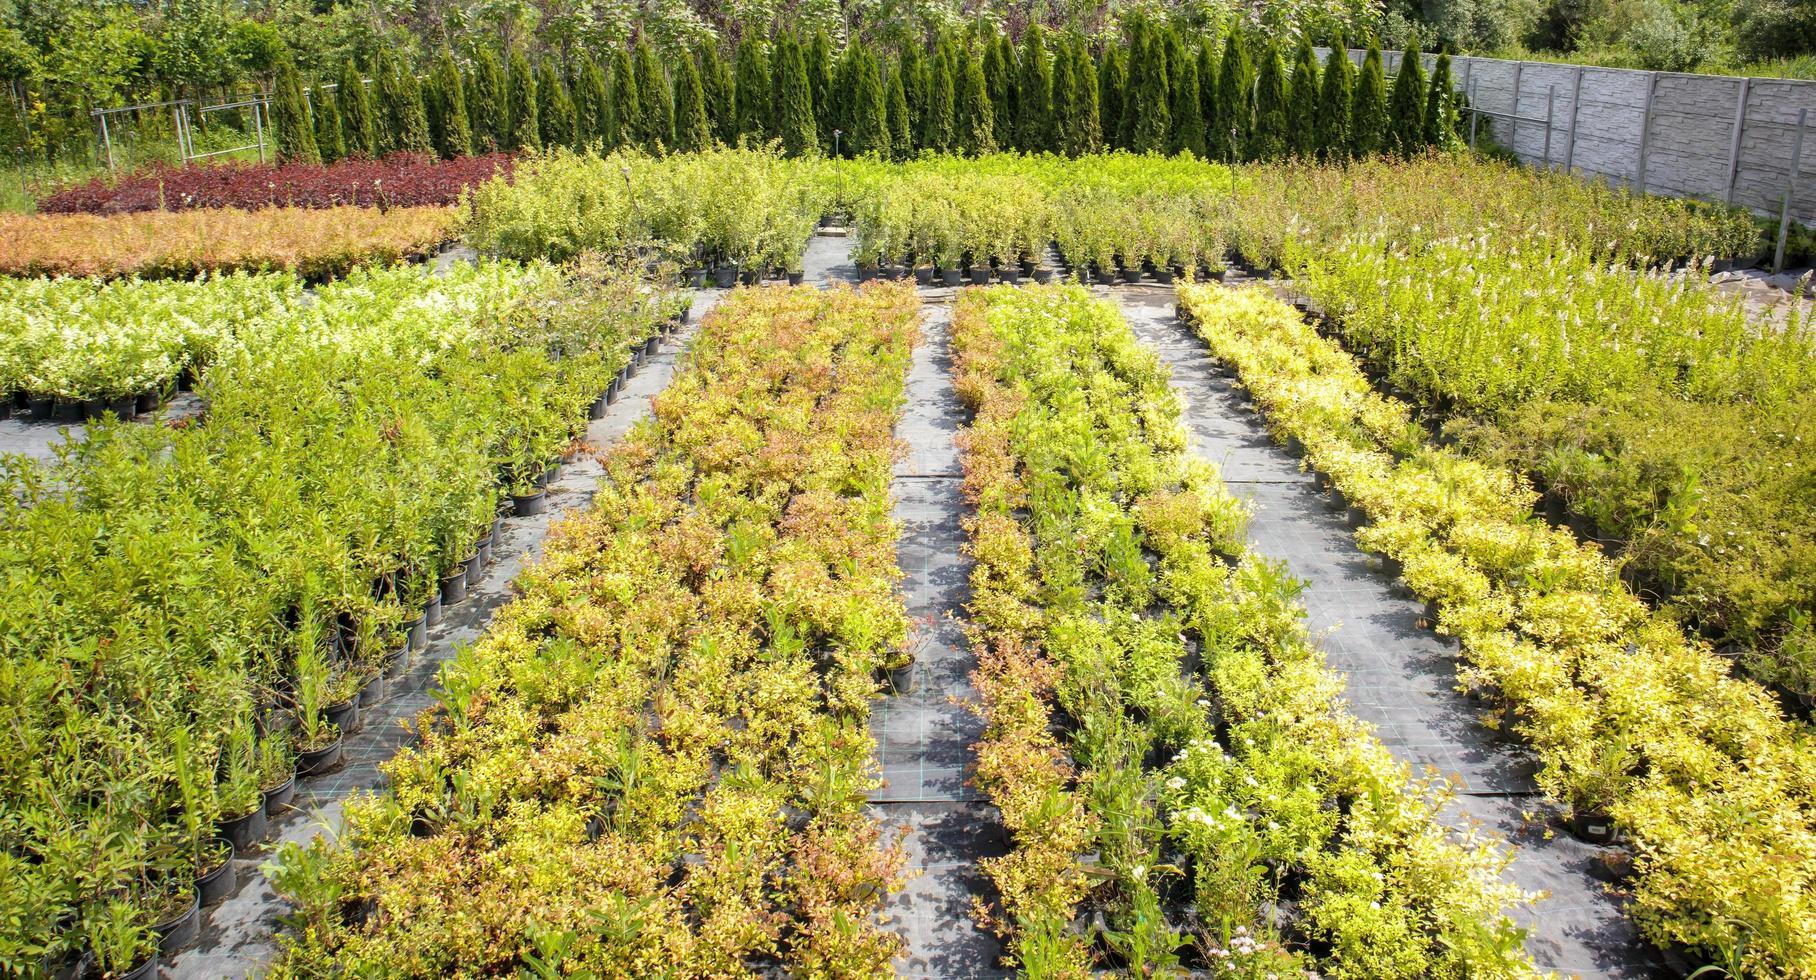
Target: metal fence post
x=1645, y=132
x=259, y=124
x=1576, y=102
x=107, y=141
x=1513, y=113
x=1550, y=111
x=1740, y=125
x=1475, y=116
x=1790, y=190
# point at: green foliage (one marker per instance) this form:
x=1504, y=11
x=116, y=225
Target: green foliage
x=717, y=91
x=329, y=140
x=794, y=100
x=752, y=96
x=1210, y=105
x=1112, y=83
x=448, y=120
x=1001, y=78
x=818, y=65
x=556, y=120
x=653, y=99
x=973, y=128
x=1065, y=91
x=1187, y=110
x=937, y=127
x=1336, y=100
x=1368, y=120
x=627, y=115
x=1406, y=106
x=358, y=123
x=487, y=113
x=290, y=117
x=592, y=101
x=1302, y=103
x=1033, y=102
x=1147, y=123
x=901, y=121
x=398, y=116
x=692, y=129
x=916, y=88
x=522, y=131
x=1235, y=95
x=1083, y=124
x=1271, y=120
x=870, y=110
x=1441, y=106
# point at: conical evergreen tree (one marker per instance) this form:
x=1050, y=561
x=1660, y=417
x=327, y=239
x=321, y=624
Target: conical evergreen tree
x=658, y=126
x=392, y=109
x=716, y=90
x=1188, y=114
x=1441, y=106
x=1034, y=95
x=1151, y=129
x=486, y=111
x=355, y=112
x=1085, y=125
x=997, y=82
x=1216, y=121
x=1336, y=100
x=448, y=128
x=940, y=99
x=290, y=117
x=973, y=129
x=1111, y=83
x=555, y=116
x=1406, y=107
x=901, y=125
x=913, y=70
x=1134, y=71
x=413, y=132
x=329, y=140
x=692, y=130
x=1235, y=88
x=1368, y=129
x=522, y=131
x=1269, y=141
x=751, y=98
x=818, y=58
x=591, y=101
x=1174, y=51
x=870, y=110
x=794, y=101
x=1064, y=92
x=625, y=121
x=1302, y=103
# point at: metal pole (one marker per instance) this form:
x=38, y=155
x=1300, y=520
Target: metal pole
x=1576, y=102
x=1790, y=190
x=107, y=141
x=1513, y=114
x=1645, y=132
x=1550, y=110
x=1740, y=125
x=259, y=125
x=1475, y=116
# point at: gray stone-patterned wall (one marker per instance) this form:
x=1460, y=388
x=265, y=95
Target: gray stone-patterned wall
x=1704, y=136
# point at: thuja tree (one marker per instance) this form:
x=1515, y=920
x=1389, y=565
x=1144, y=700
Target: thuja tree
x=936, y=133
x=973, y=128
x=1406, y=107
x=1002, y=75
x=626, y=115
x=1084, y=133
x=1368, y=132
x=1269, y=140
x=486, y=111
x=384, y=97
x=1216, y=123
x=1112, y=84
x=355, y=103
x=1033, y=106
x=901, y=122
x=869, y=109
x=751, y=99
x=1235, y=87
x=1188, y=113
x=448, y=128
x=818, y=59
x=555, y=117
x=521, y=130
x=290, y=117
x=692, y=130
x=329, y=140
x=400, y=96
x=1302, y=103
x=591, y=100
x=1441, y=106
x=794, y=100
x=1148, y=123
x=1064, y=93
x=913, y=71
x=716, y=87
x=1336, y=100
x=658, y=127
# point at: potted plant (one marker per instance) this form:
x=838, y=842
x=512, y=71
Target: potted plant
x=242, y=805
x=318, y=741
x=277, y=773
x=175, y=907
x=121, y=946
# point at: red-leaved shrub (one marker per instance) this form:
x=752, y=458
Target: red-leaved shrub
x=399, y=180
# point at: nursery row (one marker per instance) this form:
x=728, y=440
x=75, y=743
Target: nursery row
x=656, y=760
x=401, y=180
x=1640, y=731
x=1168, y=750
x=315, y=244
x=1655, y=409
x=192, y=612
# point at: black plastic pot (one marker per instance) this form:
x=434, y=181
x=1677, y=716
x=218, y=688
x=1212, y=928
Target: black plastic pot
x=899, y=680
x=41, y=409
x=696, y=278
x=1011, y=274
x=373, y=691
x=454, y=586
x=923, y=275
x=180, y=930
x=596, y=410
x=93, y=408
x=485, y=551
x=315, y=761
x=475, y=569
x=529, y=505
x=1163, y=275
x=214, y=887
x=278, y=797
x=344, y=716
x=147, y=970
x=397, y=663
x=431, y=613
x=794, y=278
x=750, y=277
x=1593, y=828
x=124, y=407
x=726, y=275
x=148, y=402
x=980, y=275
x=68, y=411
x=1043, y=276
x=611, y=390
x=418, y=633
x=245, y=832
x=950, y=277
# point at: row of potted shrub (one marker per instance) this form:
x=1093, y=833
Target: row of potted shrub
x=191, y=610
x=1657, y=411
x=655, y=761
x=316, y=245
x=1642, y=733
x=400, y=180
x=1183, y=789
